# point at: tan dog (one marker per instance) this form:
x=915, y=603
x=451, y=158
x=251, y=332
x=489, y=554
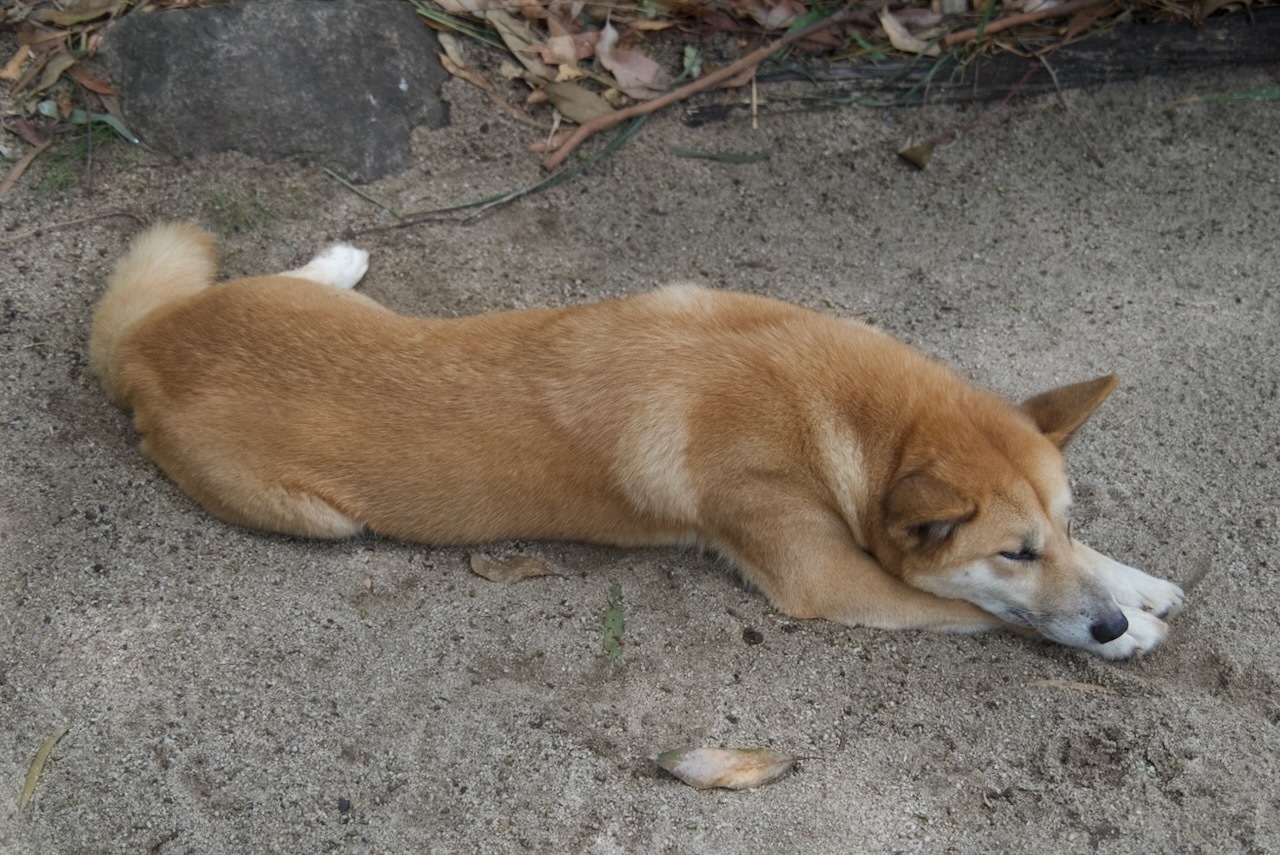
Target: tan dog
x=848, y=476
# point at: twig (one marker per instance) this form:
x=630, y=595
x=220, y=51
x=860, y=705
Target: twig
x=488, y=202
x=962, y=36
x=21, y=167
x=363, y=195
x=39, y=230
x=707, y=81
x=1075, y=120
x=88, y=160
x=947, y=136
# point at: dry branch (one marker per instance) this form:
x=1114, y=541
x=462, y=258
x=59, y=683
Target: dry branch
x=707, y=81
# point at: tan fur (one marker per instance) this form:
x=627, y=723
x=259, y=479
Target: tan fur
x=847, y=475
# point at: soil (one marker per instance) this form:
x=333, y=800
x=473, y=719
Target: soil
x=230, y=692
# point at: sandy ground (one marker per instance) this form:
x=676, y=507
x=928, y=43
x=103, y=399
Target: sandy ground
x=229, y=692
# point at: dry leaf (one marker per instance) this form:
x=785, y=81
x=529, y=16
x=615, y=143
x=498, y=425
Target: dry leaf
x=13, y=67
x=508, y=570
x=637, y=75
x=518, y=38
x=94, y=84
x=53, y=69
x=76, y=12
x=568, y=73
x=576, y=103
x=917, y=155
x=566, y=49
x=454, y=61
x=37, y=766
x=770, y=14
x=466, y=7
x=730, y=768
x=650, y=26
x=903, y=40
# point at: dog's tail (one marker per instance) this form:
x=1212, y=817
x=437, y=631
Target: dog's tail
x=167, y=262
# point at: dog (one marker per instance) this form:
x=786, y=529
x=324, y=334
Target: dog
x=846, y=475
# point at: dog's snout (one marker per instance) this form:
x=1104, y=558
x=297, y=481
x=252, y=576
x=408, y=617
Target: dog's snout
x=1110, y=627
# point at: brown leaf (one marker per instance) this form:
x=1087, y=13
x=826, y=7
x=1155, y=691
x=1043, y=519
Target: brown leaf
x=20, y=167
x=770, y=14
x=917, y=155
x=518, y=38
x=30, y=133
x=13, y=67
x=1083, y=21
x=729, y=768
x=88, y=81
x=637, y=75
x=76, y=12
x=509, y=570
x=903, y=40
x=53, y=69
x=576, y=103
x=566, y=49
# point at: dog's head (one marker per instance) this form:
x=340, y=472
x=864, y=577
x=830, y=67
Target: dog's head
x=985, y=516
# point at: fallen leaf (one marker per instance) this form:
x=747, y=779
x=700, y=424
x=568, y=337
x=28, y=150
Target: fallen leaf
x=576, y=103
x=37, y=766
x=637, y=75
x=473, y=77
x=53, y=69
x=1081, y=22
x=518, y=38
x=509, y=570
x=729, y=768
x=917, y=155
x=566, y=49
x=650, y=26
x=903, y=40
x=465, y=7
x=30, y=133
x=76, y=12
x=94, y=84
x=13, y=67
x=452, y=47
x=569, y=73
x=774, y=15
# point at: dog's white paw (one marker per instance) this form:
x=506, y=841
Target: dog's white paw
x=1145, y=633
x=338, y=266
x=1134, y=589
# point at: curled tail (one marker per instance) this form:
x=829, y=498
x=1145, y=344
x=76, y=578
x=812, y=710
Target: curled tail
x=165, y=263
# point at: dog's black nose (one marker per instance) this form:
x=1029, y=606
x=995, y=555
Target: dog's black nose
x=1109, y=628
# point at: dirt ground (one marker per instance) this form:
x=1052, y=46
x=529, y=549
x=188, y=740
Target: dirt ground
x=229, y=692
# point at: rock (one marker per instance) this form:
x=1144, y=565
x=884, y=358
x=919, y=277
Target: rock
x=341, y=83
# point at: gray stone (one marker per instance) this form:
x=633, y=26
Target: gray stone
x=338, y=82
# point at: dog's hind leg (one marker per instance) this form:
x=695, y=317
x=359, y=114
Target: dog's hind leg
x=239, y=496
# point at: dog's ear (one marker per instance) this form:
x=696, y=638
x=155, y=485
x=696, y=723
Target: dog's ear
x=922, y=510
x=1060, y=412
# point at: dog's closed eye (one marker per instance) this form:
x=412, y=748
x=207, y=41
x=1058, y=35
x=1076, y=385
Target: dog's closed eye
x=1022, y=555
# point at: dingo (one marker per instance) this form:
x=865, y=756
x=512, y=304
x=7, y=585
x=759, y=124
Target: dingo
x=847, y=476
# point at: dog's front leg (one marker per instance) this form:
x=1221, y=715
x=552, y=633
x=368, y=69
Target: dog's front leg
x=1147, y=602
x=809, y=566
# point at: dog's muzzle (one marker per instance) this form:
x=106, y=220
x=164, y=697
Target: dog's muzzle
x=1109, y=628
